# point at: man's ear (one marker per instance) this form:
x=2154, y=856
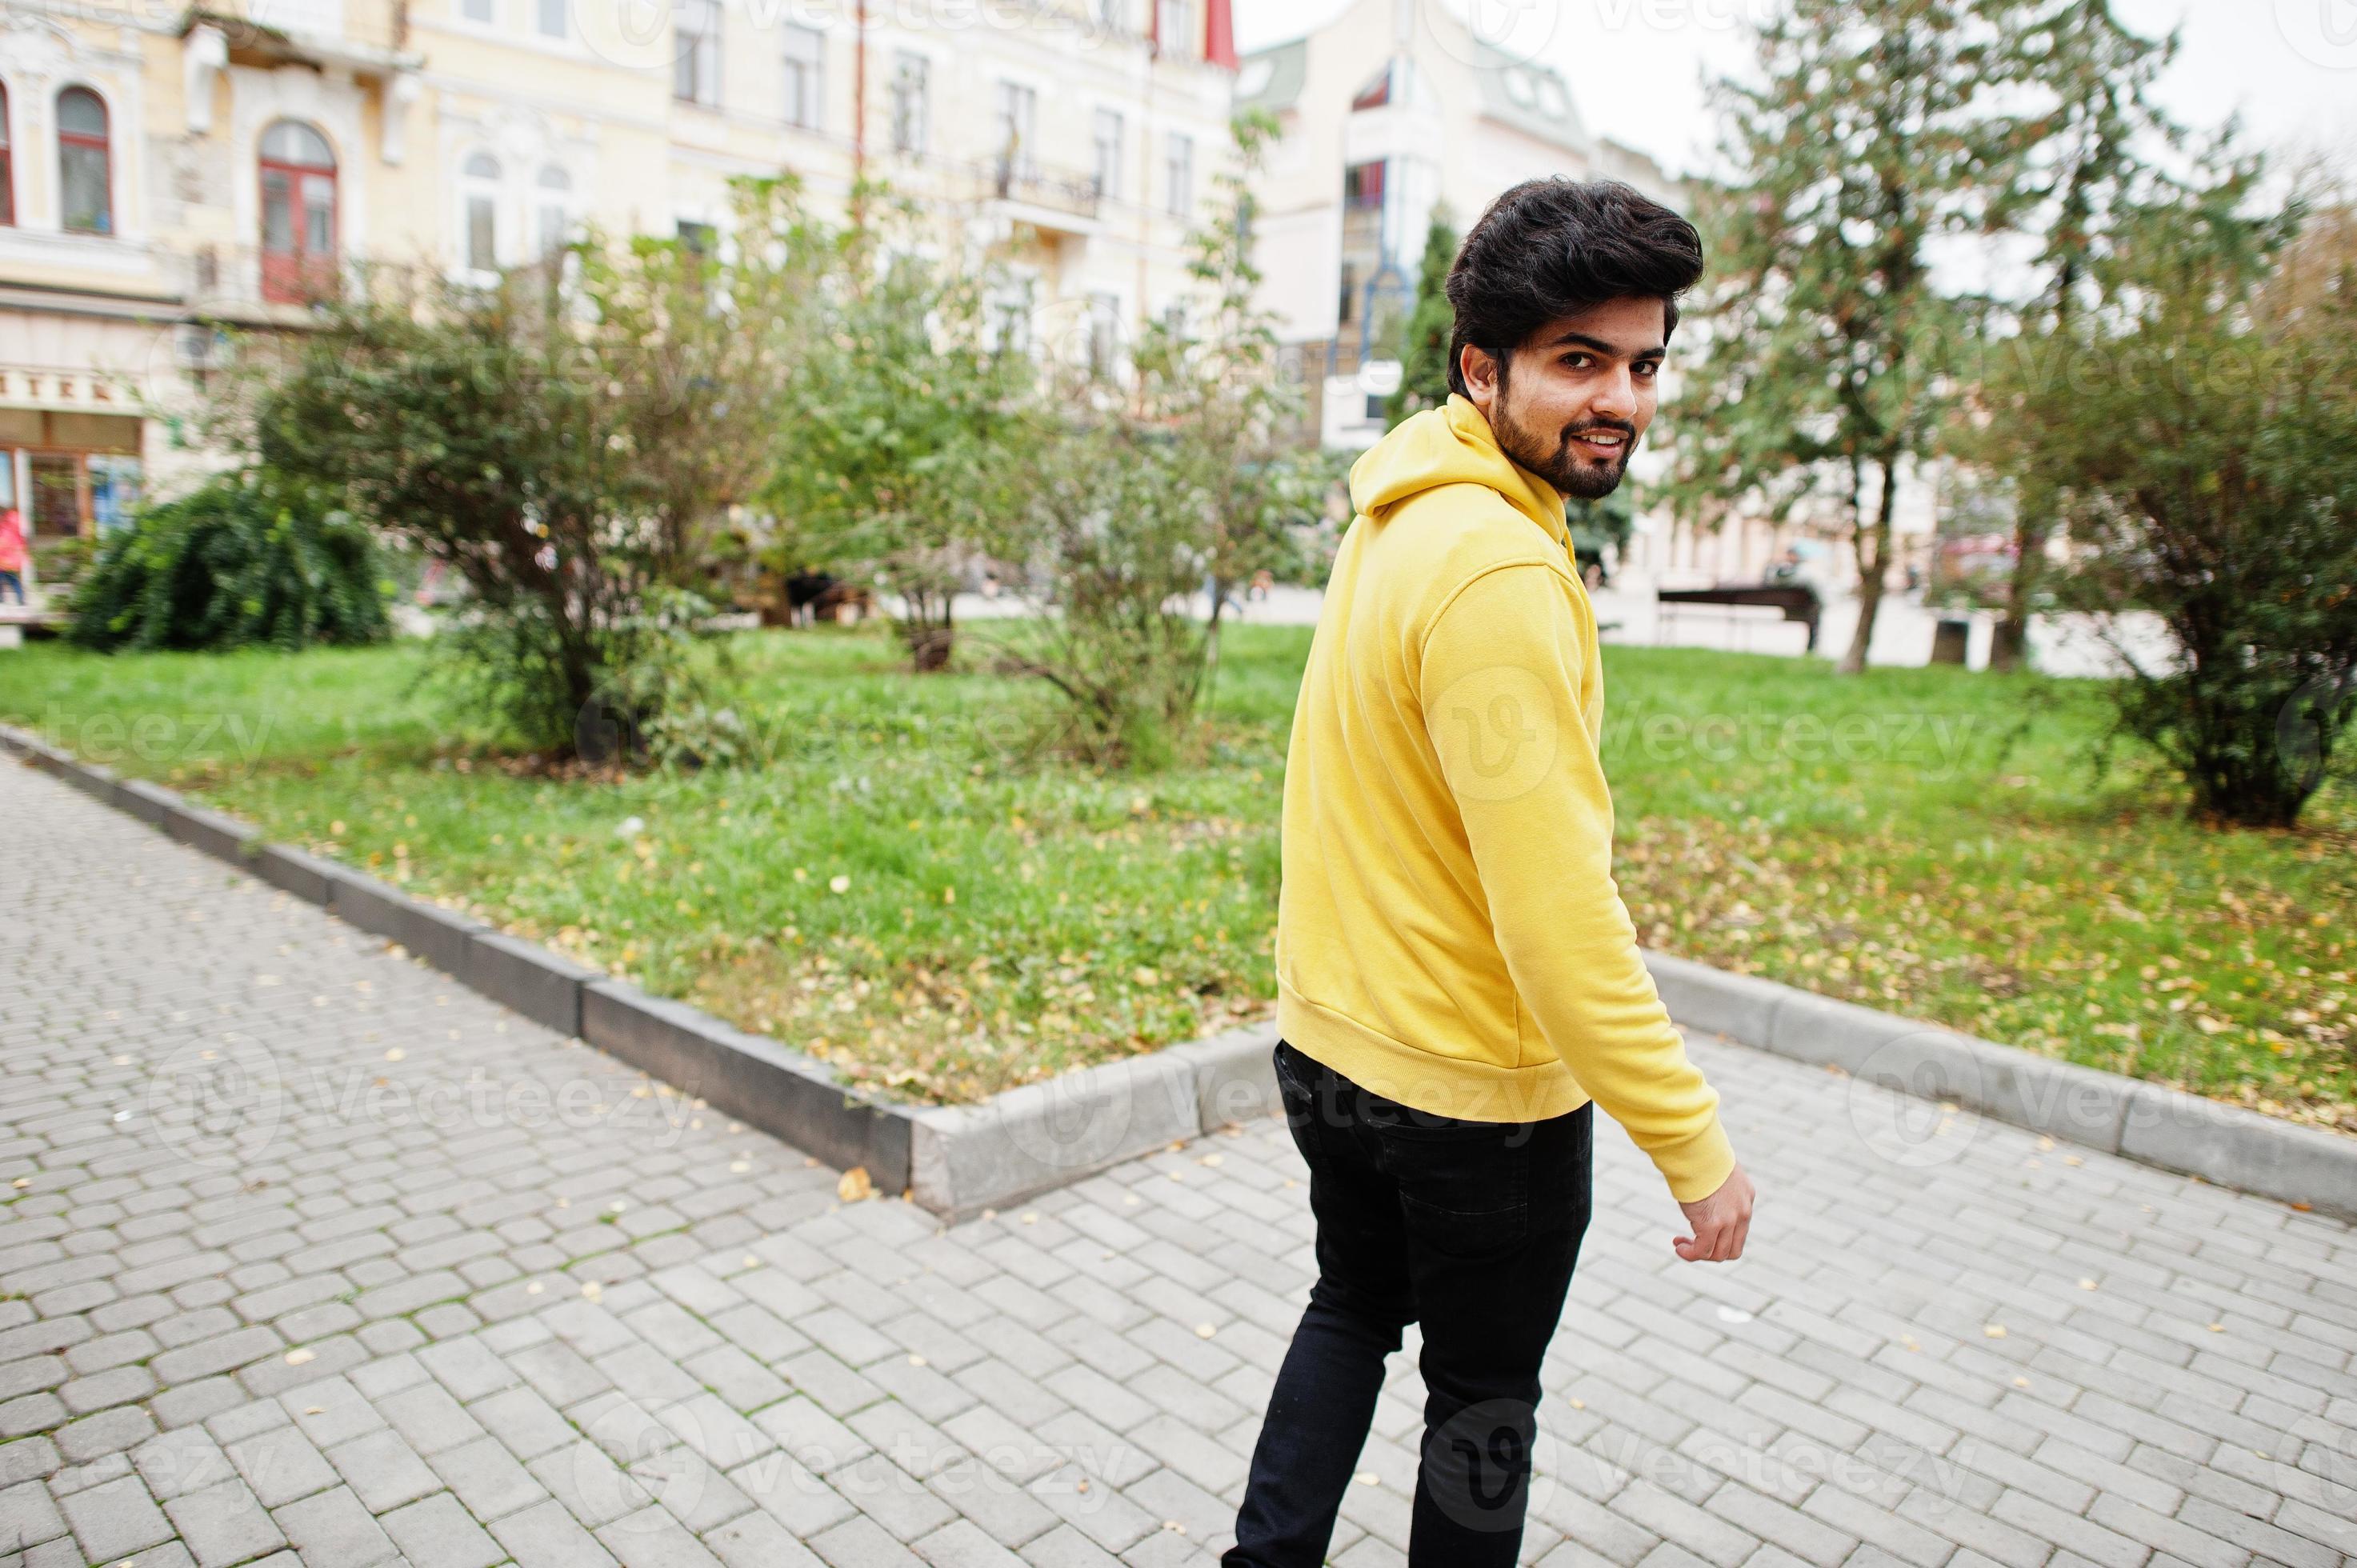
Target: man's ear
x=1479, y=368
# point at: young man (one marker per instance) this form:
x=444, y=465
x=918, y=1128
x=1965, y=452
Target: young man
x=1456, y=974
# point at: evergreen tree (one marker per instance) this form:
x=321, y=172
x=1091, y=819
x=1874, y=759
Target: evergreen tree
x=1424, y=365
x=2085, y=178
x=1880, y=129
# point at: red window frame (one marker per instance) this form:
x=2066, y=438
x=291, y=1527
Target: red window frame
x=298, y=277
x=7, y=166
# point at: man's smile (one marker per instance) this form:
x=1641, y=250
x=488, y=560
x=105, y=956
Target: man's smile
x=1602, y=444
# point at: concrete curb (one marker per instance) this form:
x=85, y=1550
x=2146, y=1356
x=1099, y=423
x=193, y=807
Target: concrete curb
x=2223, y=1144
x=959, y=1160
x=966, y=1158
x=955, y=1161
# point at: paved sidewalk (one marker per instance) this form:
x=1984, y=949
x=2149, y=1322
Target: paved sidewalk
x=310, y=1255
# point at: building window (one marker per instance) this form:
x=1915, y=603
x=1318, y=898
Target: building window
x=479, y=11
x=1178, y=183
x=909, y=102
x=1176, y=30
x=553, y=20
x=555, y=210
x=1108, y=146
x=113, y=491
x=85, y=175
x=696, y=72
x=299, y=214
x=482, y=187
x=805, y=76
x=1018, y=115
x=698, y=239
x=7, y=166
x=70, y=493
x=1376, y=94
x=1362, y=186
x=1345, y=308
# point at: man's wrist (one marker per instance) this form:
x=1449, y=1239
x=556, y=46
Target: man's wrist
x=1697, y=1166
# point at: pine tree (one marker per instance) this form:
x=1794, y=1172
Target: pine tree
x=1880, y=129
x=1424, y=367
x=2086, y=177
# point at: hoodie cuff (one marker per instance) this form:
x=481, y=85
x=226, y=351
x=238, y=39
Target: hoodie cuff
x=1698, y=1166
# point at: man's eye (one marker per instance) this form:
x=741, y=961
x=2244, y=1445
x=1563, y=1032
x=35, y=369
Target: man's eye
x=1647, y=369
x=1578, y=361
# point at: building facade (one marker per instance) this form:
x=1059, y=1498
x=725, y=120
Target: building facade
x=168, y=173
x=1392, y=109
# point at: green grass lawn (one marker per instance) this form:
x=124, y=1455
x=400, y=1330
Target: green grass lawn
x=895, y=886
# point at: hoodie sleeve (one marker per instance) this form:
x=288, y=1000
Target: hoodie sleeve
x=1500, y=684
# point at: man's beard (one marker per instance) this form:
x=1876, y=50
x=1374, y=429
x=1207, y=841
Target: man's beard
x=1555, y=461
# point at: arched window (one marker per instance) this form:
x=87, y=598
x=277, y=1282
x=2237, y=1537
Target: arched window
x=7, y=166
x=298, y=213
x=482, y=236
x=554, y=211
x=85, y=172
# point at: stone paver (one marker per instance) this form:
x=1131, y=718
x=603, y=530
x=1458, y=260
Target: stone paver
x=310, y=1256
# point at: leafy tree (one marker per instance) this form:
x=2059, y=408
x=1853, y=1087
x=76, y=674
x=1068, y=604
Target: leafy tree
x=1424, y=364
x=1883, y=128
x=244, y=559
x=1134, y=501
x=2085, y=170
x=1213, y=387
x=706, y=345
x=557, y=440
x=907, y=388
x=2196, y=434
x=1601, y=524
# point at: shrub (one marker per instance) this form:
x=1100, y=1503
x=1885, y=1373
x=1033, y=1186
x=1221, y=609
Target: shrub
x=564, y=443
x=1133, y=501
x=243, y=560
x=2197, y=438
x=895, y=405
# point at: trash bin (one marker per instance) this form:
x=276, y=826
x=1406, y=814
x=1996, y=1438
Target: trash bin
x=1950, y=640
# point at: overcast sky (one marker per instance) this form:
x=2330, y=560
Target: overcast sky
x=1637, y=67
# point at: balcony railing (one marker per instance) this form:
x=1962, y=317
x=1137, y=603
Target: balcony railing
x=346, y=32
x=1059, y=190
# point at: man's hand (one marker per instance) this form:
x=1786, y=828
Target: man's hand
x=1720, y=1222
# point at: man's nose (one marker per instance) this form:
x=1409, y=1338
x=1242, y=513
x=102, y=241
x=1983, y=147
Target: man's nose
x=1616, y=398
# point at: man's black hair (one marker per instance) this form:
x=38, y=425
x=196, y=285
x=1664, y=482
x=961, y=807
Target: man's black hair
x=1553, y=247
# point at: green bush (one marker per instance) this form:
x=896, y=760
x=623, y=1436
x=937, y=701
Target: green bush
x=232, y=564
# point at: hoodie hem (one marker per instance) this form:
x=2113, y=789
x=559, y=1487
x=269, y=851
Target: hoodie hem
x=1460, y=1086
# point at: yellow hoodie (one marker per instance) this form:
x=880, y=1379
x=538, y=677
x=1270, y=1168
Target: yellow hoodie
x=1449, y=931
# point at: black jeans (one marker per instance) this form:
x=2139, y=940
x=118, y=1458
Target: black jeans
x=1471, y=1228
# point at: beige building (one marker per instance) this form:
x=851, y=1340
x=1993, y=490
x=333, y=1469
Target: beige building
x=166, y=171
x=1393, y=108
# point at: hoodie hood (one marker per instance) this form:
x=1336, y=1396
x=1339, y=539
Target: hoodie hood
x=1450, y=444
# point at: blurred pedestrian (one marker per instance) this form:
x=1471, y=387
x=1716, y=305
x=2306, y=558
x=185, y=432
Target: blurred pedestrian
x=12, y=554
